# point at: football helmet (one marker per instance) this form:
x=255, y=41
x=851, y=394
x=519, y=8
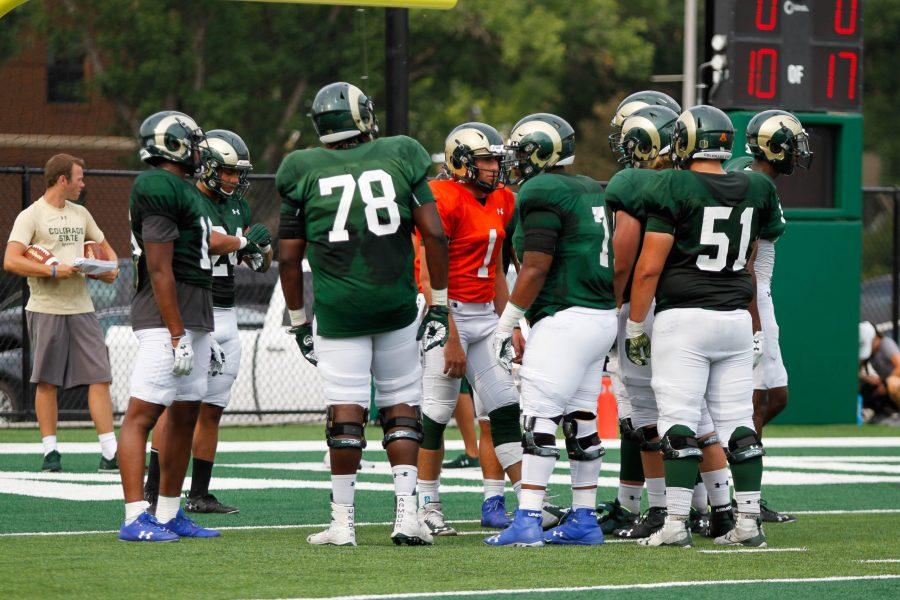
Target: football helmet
x=468, y=142
x=647, y=134
x=173, y=136
x=630, y=104
x=777, y=137
x=224, y=150
x=702, y=132
x=538, y=143
x=341, y=111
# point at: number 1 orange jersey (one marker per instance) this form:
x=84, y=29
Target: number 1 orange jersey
x=476, y=233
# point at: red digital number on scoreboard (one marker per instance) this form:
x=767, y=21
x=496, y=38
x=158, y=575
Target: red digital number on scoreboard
x=762, y=73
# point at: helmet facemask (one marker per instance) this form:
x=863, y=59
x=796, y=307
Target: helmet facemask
x=796, y=151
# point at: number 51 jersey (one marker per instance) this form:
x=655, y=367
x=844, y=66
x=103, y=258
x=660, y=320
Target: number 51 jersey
x=354, y=208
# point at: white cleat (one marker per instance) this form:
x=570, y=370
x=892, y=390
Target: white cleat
x=408, y=528
x=747, y=532
x=341, y=532
x=432, y=515
x=673, y=533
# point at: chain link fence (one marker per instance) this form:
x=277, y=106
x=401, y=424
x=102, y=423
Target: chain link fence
x=275, y=383
x=880, y=290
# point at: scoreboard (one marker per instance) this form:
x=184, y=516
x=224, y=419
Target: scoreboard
x=794, y=54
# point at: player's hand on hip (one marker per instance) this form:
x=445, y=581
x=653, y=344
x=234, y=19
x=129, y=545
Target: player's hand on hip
x=454, y=358
x=758, y=341
x=184, y=357
x=637, y=343
x=216, y=358
x=503, y=349
x=304, y=335
x=434, y=329
x=518, y=342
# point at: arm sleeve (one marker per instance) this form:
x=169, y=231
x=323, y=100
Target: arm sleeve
x=292, y=223
x=159, y=229
x=23, y=229
x=91, y=231
x=542, y=228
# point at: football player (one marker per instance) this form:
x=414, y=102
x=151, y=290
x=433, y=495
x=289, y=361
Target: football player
x=475, y=209
x=702, y=224
x=225, y=162
x=565, y=290
x=352, y=204
x=778, y=144
x=172, y=316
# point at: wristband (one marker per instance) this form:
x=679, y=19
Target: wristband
x=53, y=271
x=298, y=317
x=510, y=318
x=633, y=329
x=243, y=242
x=439, y=297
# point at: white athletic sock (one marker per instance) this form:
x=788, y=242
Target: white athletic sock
x=584, y=498
x=630, y=496
x=584, y=473
x=536, y=470
x=493, y=487
x=656, y=491
x=517, y=488
x=167, y=507
x=49, y=442
x=716, y=483
x=747, y=502
x=108, y=445
x=428, y=491
x=699, y=500
x=134, y=509
x=343, y=489
x=404, y=479
x=532, y=499
x=678, y=501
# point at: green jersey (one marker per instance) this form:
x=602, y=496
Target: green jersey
x=625, y=192
x=581, y=274
x=715, y=219
x=354, y=208
x=229, y=217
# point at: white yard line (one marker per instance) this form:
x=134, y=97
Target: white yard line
x=881, y=560
x=752, y=550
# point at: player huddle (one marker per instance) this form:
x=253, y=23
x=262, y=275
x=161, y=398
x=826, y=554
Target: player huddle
x=659, y=263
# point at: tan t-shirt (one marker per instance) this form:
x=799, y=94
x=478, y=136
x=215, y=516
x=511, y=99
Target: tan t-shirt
x=63, y=232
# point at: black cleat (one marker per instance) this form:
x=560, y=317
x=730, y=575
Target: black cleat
x=614, y=516
x=773, y=516
x=699, y=522
x=207, y=503
x=721, y=520
x=651, y=522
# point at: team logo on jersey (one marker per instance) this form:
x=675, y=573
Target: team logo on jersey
x=500, y=211
x=235, y=211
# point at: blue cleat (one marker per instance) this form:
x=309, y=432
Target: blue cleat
x=579, y=529
x=493, y=513
x=524, y=531
x=184, y=527
x=146, y=529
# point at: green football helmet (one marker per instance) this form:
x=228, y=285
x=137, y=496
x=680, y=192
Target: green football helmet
x=702, y=132
x=225, y=150
x=172, y=136
x=777, y=137
x=341, y=111
x=630, y=104
x=468, y=142
x=647, y=134
x=538, y=143
x=740, y=163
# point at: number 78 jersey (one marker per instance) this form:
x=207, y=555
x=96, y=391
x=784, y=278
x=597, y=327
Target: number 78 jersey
x=354, y=208
x=715, y=219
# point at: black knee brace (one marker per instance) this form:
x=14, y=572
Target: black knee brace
x=647, y=433
x=710, y=441
x=744, y=446
x=538, y=444
x=627, y=430
x=676, y=447
x=412, y=427
x=577, y=448
x=356, y=431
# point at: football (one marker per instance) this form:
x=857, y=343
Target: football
x=95, y=251
x=41, y=255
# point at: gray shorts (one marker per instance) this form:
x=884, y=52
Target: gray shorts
x=67, y=350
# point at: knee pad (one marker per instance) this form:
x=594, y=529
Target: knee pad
x=578, y=447
x=432, y=433
x=537, y=443
x=505, y=427
x=744, y=445
x=355, y=431
x=680, y=443
x=410, y=428
x=709, y=441
x=627, y=430
x=646, y=434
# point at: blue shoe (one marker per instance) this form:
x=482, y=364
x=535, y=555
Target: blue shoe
x=184, y=527
x=524, y=531
x=580, y=529
x=493, y=513
x=146, y=529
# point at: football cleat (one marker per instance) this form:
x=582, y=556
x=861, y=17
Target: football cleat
x=552, y=515
x=580, y=528
x=146, y=529
x=699, y=522
x=408, y=528
x=613, y=516
x=493, y=513
x=773, y=516
x=207, y=503
x=108, y=465
x=463, y=461
x=650, y=522
x=52, y=462
x=524, y=531
x=341, y=532
x=721, y=520
x=184, y=527
x=432, y=515
x=746, y=532
x=672, y=533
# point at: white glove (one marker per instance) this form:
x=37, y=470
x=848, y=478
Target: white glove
x=256, y=261
x=758, y=342
x=184, y=358
x=503, y=349
x=216, y=358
